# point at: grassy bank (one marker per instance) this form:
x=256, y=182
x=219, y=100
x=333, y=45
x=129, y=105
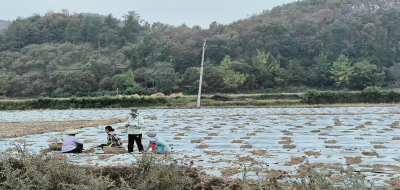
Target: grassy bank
x=82, y=103
x=51, y=172
x=261, y=100
x=368, y=97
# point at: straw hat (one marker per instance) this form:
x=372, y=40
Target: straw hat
x=72, y=132
x=151, y=135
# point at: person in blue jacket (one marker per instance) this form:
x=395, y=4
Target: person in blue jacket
x=162, y=146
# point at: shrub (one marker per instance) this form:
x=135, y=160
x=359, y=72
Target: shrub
x=37, y=172
x=311, y=96
x=48, y=172
x=368, y=95
x=86, y=102
x=220, y=97
x=34, y=172
x=206, y=100
x=373, y=95
x=181, y=101
x=376, y=95
x=136, y=89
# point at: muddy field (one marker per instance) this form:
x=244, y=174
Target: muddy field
x=18, y=123
x=265, y=143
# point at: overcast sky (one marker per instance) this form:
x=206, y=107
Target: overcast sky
x=174, y=12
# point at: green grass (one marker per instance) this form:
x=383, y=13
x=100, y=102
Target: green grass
x=46, y=172
x=263, y=100
x=279, y=100
x=208, y=101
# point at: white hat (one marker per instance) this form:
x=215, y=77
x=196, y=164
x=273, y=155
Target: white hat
x=151, y=135
x=134, y=111
x=72, y=132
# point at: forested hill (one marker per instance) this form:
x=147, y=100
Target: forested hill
x=4, y=24
x=335, y=44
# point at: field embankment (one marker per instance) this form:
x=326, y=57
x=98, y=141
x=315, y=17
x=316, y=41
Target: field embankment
x=312, y=98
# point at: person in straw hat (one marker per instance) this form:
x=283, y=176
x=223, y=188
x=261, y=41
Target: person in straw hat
x=162, y=146
x=135, y=125
x=71, y=144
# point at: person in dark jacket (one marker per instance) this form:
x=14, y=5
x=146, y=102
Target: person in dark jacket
x=113, y=139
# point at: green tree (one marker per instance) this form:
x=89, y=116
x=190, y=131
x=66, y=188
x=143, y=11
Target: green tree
x=131, y=29
x=73, y=82
x=17, y=87
x=233, y=80
x=221, y=45
x=338, y=36
x=27, y=85
x=91, y=28
x=266, y=61
x=342, y=71
x=143, y=76
x=109, y=35
x=190, y=80
x=367, y=74
x=226, y=63
x=3, y=84
x=320, y=72
x=16, y=36
x=106, y=83
x=274, y=37
x=295, y=73
x=125, y=80
x=394, y=72
x=165, y=78
x=73, y=31
x=213, y=78
x=289, y=39
x=87, y=67
x=1, y=40
x=265, y=67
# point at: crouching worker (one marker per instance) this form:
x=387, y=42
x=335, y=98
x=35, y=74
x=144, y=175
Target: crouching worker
x=71, y=144
x=113, y=139
x=161, y=145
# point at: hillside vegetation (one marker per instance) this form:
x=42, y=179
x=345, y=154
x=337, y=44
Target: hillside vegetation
x=328, y=44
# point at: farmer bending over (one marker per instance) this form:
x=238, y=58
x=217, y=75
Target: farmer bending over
x=161, y=145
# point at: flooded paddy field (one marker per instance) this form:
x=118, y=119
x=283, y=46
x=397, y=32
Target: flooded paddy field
x=261, y=143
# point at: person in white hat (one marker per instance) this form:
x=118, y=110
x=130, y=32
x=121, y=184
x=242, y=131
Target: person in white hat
x=71, y=144
x=135, y=124
x=162, y=146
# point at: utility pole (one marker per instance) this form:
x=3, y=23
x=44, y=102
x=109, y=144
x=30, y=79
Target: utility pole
x=201, y=74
